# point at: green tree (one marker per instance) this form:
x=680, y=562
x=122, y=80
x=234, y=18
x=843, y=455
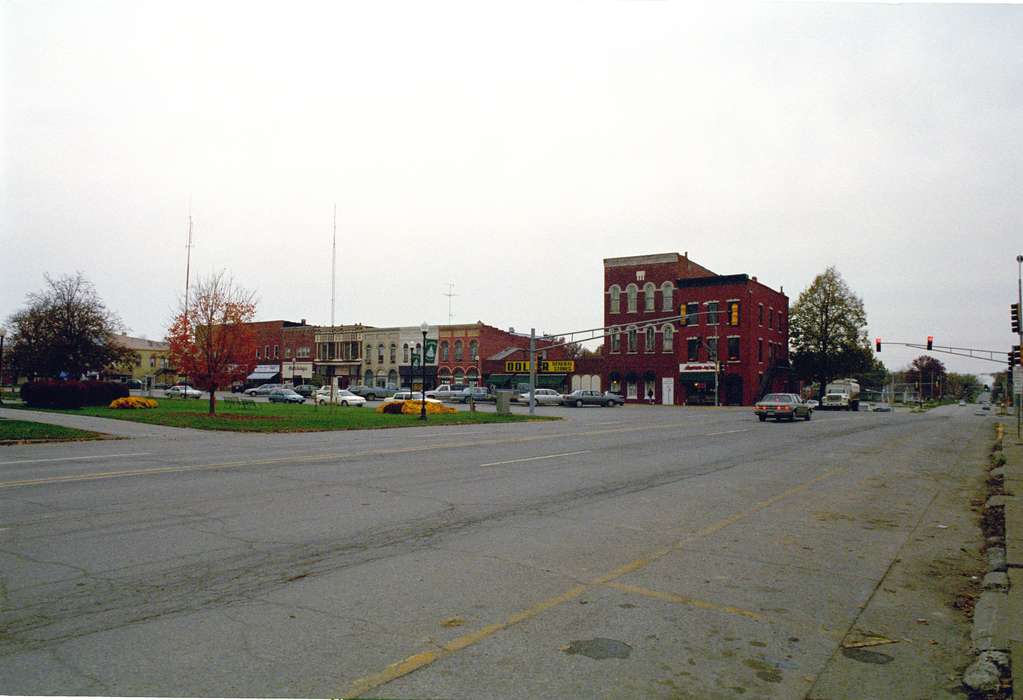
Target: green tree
x=962, y=386
x=65, y=331
x=827, y=331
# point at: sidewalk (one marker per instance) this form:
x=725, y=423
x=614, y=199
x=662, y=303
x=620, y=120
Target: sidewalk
x=1013, y=450
x=108, y=426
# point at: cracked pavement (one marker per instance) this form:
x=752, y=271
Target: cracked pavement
x=392, y=562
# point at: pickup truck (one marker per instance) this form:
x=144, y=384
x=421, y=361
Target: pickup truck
x=447, y=392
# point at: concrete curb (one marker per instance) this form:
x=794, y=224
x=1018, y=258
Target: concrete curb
x=997, y=633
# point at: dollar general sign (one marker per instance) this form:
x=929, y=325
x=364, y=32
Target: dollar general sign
x=522, y=366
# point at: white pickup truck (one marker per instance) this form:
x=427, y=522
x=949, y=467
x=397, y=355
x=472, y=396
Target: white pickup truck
x=447, y=392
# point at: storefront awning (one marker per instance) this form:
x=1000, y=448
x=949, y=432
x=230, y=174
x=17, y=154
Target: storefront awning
x=264, y=374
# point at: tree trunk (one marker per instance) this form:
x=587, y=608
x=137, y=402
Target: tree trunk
x=213, y=400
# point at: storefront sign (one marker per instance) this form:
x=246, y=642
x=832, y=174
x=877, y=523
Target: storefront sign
x=431, y=351
x=523, y=366
x=697, y=367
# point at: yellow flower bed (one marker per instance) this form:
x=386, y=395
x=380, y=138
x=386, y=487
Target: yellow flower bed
x=414, y=408
x=133, y=402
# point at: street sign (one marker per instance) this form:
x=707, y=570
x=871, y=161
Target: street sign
x=1017, y=380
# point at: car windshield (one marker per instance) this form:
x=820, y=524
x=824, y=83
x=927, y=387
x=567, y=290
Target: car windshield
x=777, y=398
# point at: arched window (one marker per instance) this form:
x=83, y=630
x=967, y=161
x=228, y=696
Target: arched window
x=380, y=353
x=458, y=351
x=474, y=350
x=667, y=337
x=404, y=353
x=367, y=378
x=444, y=351
x=394, y=353
x=649, y=301
x=381, y=378
x=631, y=292
x=616, y=298
x=632, y=338
x=616, y=340
x=649, y=339
x=472, y=378
x=392, y=378
x=667, y=296
x=444, y=376
x=459, y=374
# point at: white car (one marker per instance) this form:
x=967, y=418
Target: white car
x=410, y=396
x=542, y=397
x=342, y=397
x=182, y=391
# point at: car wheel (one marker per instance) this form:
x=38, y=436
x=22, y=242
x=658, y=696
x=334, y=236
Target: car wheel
x=610, y=404
x=762, y=418
x=370, y=397
x=579, y=403
x=808, y=414
x=344, y=403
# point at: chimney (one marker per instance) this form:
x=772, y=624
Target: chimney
x=754, y=278
x=511, y=329
x=303, y=321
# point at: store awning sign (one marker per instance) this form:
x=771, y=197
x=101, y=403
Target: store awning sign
x=523, y=366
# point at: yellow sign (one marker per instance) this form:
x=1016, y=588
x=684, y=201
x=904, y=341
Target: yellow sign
x=522, y=366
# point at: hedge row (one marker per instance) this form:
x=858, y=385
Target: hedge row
x=53, y=394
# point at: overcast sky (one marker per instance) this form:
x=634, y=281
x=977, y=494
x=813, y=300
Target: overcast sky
x=508, y=148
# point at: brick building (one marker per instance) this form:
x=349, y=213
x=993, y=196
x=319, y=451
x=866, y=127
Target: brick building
x=650, y=354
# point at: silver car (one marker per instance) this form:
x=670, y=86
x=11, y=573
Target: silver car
x=542, y=397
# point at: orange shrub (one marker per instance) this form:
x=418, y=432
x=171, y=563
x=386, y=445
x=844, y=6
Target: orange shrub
x=133, y=402
x=414, y=408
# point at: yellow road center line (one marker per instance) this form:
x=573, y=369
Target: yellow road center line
x=684, y=600
x=421, y=660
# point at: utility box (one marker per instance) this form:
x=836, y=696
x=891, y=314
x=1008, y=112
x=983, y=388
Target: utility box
x=504, y=402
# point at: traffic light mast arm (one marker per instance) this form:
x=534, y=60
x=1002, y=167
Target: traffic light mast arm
x=972, y=353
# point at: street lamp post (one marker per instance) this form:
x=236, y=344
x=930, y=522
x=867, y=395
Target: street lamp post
x=1019, y=300
x=424, y=327
x=3, y=334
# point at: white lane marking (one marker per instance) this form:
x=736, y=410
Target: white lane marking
x=726, y=432
x=69, y=459
x=533, y=459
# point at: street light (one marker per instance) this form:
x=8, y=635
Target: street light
x=3, y=333
x=424, y=327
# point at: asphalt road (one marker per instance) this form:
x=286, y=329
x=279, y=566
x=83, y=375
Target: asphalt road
x=628, y=552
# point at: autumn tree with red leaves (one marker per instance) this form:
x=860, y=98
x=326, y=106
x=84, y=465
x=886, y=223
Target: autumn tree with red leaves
x=210, y=341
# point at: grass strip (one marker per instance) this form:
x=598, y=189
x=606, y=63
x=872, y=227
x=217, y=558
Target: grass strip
x=15, y=431
x=283, y=418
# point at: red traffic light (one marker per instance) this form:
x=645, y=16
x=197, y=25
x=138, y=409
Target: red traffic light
x=877, y=344
x=930, y=342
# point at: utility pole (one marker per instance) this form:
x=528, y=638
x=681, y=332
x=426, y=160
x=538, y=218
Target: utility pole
x=1019, y=298
x=188, y=258
x=532, y=371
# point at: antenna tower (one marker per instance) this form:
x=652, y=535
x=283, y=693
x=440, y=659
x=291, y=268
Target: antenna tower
x=333, y=269
x=188, y=257
x=449, y=294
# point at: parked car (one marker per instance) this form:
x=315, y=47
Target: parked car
x=342, y=397
x=285, y=396
x=589, y=397
x=182, y=391
x=133, y=383
x=263, y=390
x=306, y=390
x=371, y=393
x=476, y=393
x=542, y=397
x=447, y=392
x=779, y=406
x=812, y=403
x=410, y=396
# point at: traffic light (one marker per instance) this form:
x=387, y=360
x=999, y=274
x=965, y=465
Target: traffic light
x=682, y=313
x=1014, y=356
x=930, y=342
x=877, y=344
x=733, y=314
x=1014, y=312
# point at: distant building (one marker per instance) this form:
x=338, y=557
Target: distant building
x=731, y=324
x=149, y=362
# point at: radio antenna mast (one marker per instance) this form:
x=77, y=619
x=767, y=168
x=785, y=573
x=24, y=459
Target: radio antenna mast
x=188, y=256
x=333, y=268
x=449, y=294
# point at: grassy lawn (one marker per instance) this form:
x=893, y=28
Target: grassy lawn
x=282, y=418
x=20, y=430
